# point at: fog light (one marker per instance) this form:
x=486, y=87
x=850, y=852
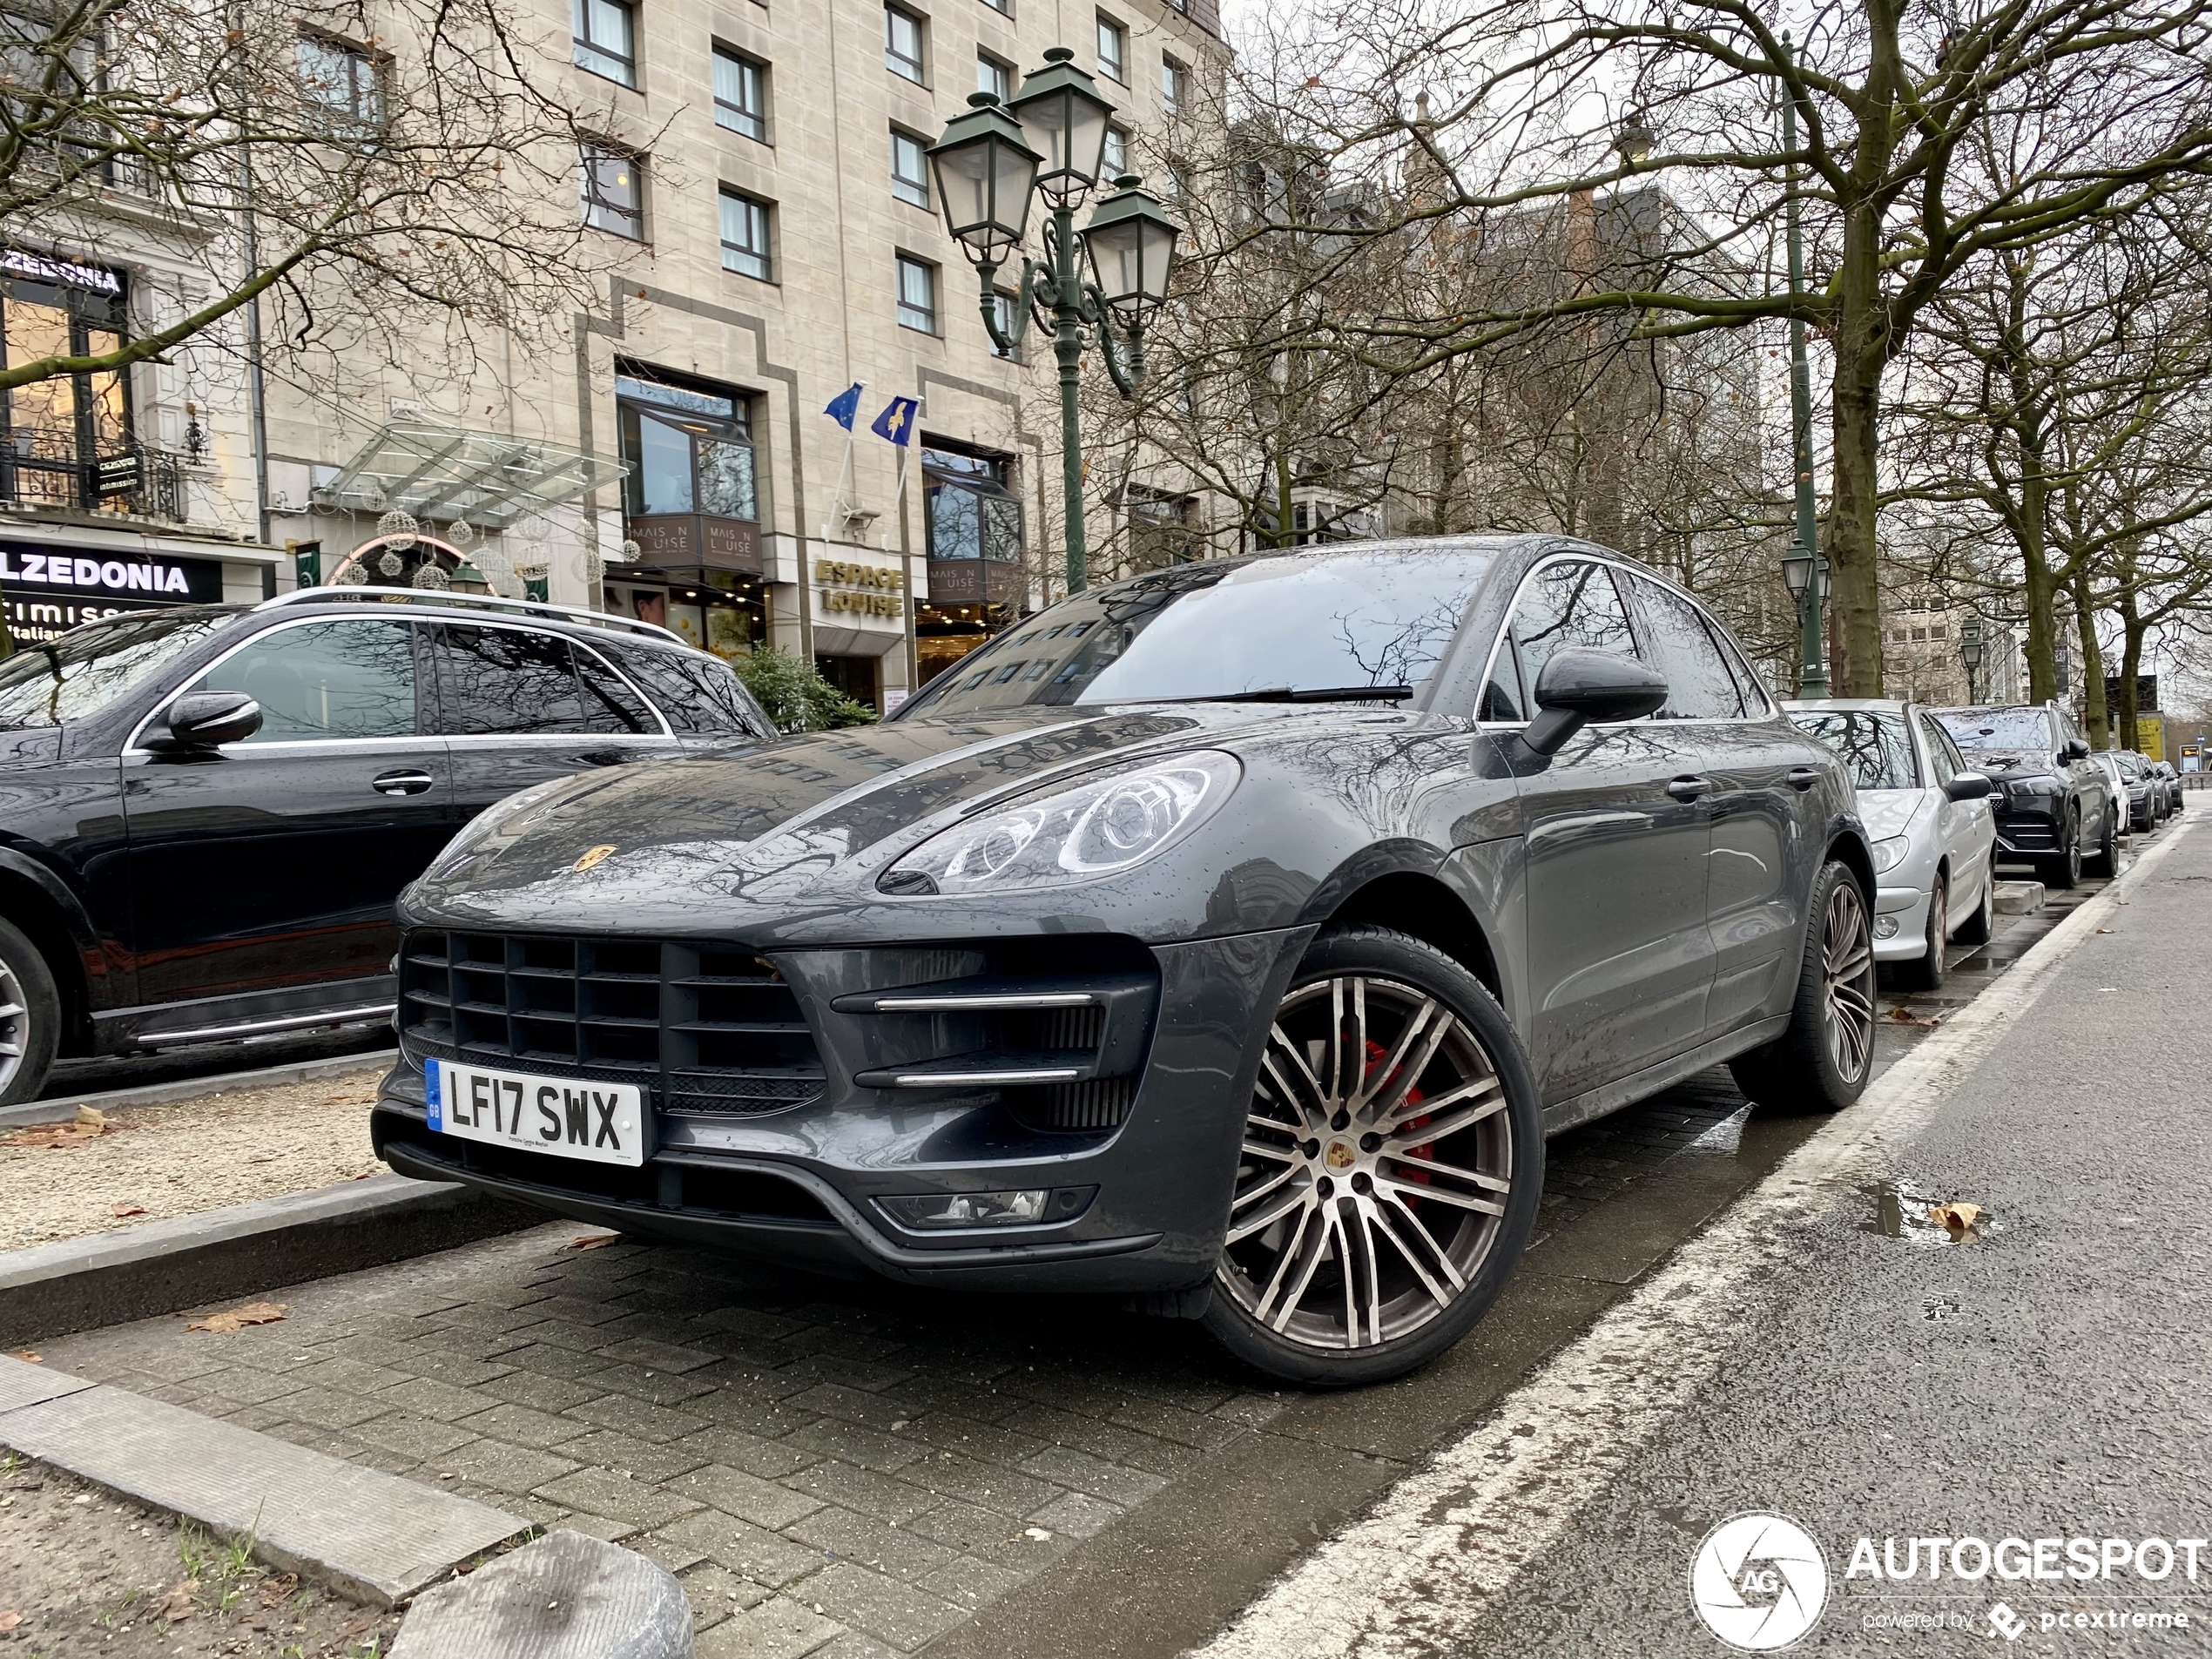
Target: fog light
x=1886, y=926
x=986, y=1209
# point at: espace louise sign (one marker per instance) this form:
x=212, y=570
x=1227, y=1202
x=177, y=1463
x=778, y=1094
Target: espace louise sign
x=49, y=591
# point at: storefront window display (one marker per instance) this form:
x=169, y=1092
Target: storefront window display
x=722, y=611
x=67, y=440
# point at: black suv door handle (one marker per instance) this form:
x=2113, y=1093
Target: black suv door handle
x=1689, y=788
x=1802, y=777
x=401, y=783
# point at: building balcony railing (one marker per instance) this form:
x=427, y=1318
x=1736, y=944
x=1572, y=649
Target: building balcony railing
x=133, y=480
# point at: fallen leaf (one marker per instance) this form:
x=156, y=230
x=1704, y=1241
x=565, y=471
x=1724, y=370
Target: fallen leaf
x=9, y=1618
x=91, y=1117
x=1037, y=1533
x=595, y=1241
x=1957, y=1218
x=276, y=1590
x=60, y=1133
x=1904, y=1015
x=238, y=1318
x=119, y=1210
x=29, y=1356
x=179, y=1603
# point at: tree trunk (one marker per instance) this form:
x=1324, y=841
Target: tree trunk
x=2132, y=630
x=2093, y=664
x=1853, y=545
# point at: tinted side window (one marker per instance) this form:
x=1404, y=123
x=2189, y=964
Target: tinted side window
x=1699, y=687
x=1569, y=604
x=1940, y=756
x=346, y=678
x=696, y=693
x=609, y=704
x=1501, y=694
x=507, y=680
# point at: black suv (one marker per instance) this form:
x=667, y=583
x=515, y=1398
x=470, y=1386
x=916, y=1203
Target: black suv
x=205, y=812
x=2055, y=805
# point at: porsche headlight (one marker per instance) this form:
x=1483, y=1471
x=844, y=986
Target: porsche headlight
x=1099, y=826
x=1891, y=854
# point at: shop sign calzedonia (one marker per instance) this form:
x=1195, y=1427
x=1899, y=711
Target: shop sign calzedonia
x=49, y=590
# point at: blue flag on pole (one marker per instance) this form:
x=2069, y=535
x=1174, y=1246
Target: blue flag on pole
x=897, y=421
x=846, y=405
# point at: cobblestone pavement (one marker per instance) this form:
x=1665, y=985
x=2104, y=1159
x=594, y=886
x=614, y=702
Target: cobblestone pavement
x=841, y=1469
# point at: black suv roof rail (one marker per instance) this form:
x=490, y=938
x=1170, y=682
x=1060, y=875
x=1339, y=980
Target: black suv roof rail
x=475, y=601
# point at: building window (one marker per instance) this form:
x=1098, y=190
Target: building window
x=994, y=77
x=605, y=31
x=690, y=451
x=1113, y=49
x=1174, y=86
x=344, y=85
x=1004, y=8
x=614, y=190
x=741, y=93
x=61, y=433
x=917, y=294
x=902, y=43
x=971, y=512
x=909, y=168
x=745, y=236
x=1114, y=160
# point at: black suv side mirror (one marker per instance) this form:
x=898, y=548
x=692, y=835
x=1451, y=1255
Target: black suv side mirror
x=2075, y=749
x=1581, y=687
x=1970, y=786
x=203, y=719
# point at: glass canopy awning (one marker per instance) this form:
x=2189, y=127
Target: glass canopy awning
x=443, y=472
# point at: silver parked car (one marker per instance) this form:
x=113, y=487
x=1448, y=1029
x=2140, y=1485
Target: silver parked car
x=1928, y=816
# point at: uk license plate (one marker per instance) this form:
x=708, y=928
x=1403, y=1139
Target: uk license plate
x=567, y=1117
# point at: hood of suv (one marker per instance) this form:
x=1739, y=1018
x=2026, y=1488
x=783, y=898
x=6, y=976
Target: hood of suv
x=808, y=821
x=2011, y=763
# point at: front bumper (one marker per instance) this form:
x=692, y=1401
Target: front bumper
x=1907, y=909
x=798, y=1185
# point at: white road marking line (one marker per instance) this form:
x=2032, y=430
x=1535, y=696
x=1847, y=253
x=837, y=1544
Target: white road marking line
x=1414, y=1574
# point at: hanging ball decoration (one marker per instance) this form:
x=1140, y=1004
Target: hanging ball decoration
x=370, y=494
x=432, y=574
x=631, y=552
x=398, y=521
x=460, y=533
x=352, y=576
x=532, y=527
x=390, y=563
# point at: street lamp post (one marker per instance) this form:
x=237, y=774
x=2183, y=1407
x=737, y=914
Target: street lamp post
x=1813, y=680
x=1970, y=650
x=1050, y=142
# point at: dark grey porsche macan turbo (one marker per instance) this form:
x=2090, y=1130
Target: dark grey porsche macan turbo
x=1228, y=939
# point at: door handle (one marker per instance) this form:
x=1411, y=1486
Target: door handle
x=1802, y=777
x=401, y=783
x=1689, y=788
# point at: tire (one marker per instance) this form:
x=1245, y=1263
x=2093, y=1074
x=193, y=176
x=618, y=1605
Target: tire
x=30, y=1018
x=1925, y=972
x=2063, y=870
x=1345, y=1262
x=2106, y=860
x=1822, y=1062
x=1979, y=928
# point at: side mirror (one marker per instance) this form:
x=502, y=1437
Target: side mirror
x=2075, y=749
x=203, y=719
x=1581, y=687
x=1970, y=786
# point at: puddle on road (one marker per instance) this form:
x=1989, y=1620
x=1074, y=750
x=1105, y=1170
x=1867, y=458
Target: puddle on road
x=1901, y=1213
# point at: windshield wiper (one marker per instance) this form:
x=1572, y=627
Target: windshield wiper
x=1307, y=694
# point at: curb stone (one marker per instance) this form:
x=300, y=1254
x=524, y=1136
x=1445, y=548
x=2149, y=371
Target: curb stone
x=566, y=1597
x=159, y=1267
x=116, y=1100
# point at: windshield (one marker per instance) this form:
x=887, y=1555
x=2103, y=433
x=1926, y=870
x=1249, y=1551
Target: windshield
x=1294, y=626
x=2000, y=728
x=88, y=668
x=1874, y=746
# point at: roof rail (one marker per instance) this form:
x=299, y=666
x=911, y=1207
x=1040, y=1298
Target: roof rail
x=470, y=601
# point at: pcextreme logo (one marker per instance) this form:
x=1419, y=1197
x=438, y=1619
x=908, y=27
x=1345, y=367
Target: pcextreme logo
x=1758, y=1581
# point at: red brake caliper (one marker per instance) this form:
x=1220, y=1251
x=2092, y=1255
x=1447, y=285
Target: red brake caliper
x=1427, y=1149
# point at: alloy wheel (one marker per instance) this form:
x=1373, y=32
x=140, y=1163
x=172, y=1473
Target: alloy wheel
x=15, y=1024
x=1847, y=965
x=1377, y=1163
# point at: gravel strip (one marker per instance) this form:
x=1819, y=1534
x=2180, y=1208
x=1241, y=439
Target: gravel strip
x=177, y=1160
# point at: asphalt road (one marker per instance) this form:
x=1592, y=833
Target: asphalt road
x=1829, y=1356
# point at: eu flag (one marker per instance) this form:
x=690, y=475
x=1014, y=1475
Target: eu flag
x=897, y=421
x=845, y=406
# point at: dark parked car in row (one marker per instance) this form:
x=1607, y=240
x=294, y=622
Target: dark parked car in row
x=1228, y=939
x=2148, y=805
x=2056, y=807
x=205, y=812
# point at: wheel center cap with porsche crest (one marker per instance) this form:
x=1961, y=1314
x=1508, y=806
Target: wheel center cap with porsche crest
x=1339, y=1156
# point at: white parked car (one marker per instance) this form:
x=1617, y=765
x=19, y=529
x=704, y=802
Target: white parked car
x=1928, y=816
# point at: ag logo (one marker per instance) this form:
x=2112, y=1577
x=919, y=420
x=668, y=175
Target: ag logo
x=592, y=859
x=1758, y=1581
